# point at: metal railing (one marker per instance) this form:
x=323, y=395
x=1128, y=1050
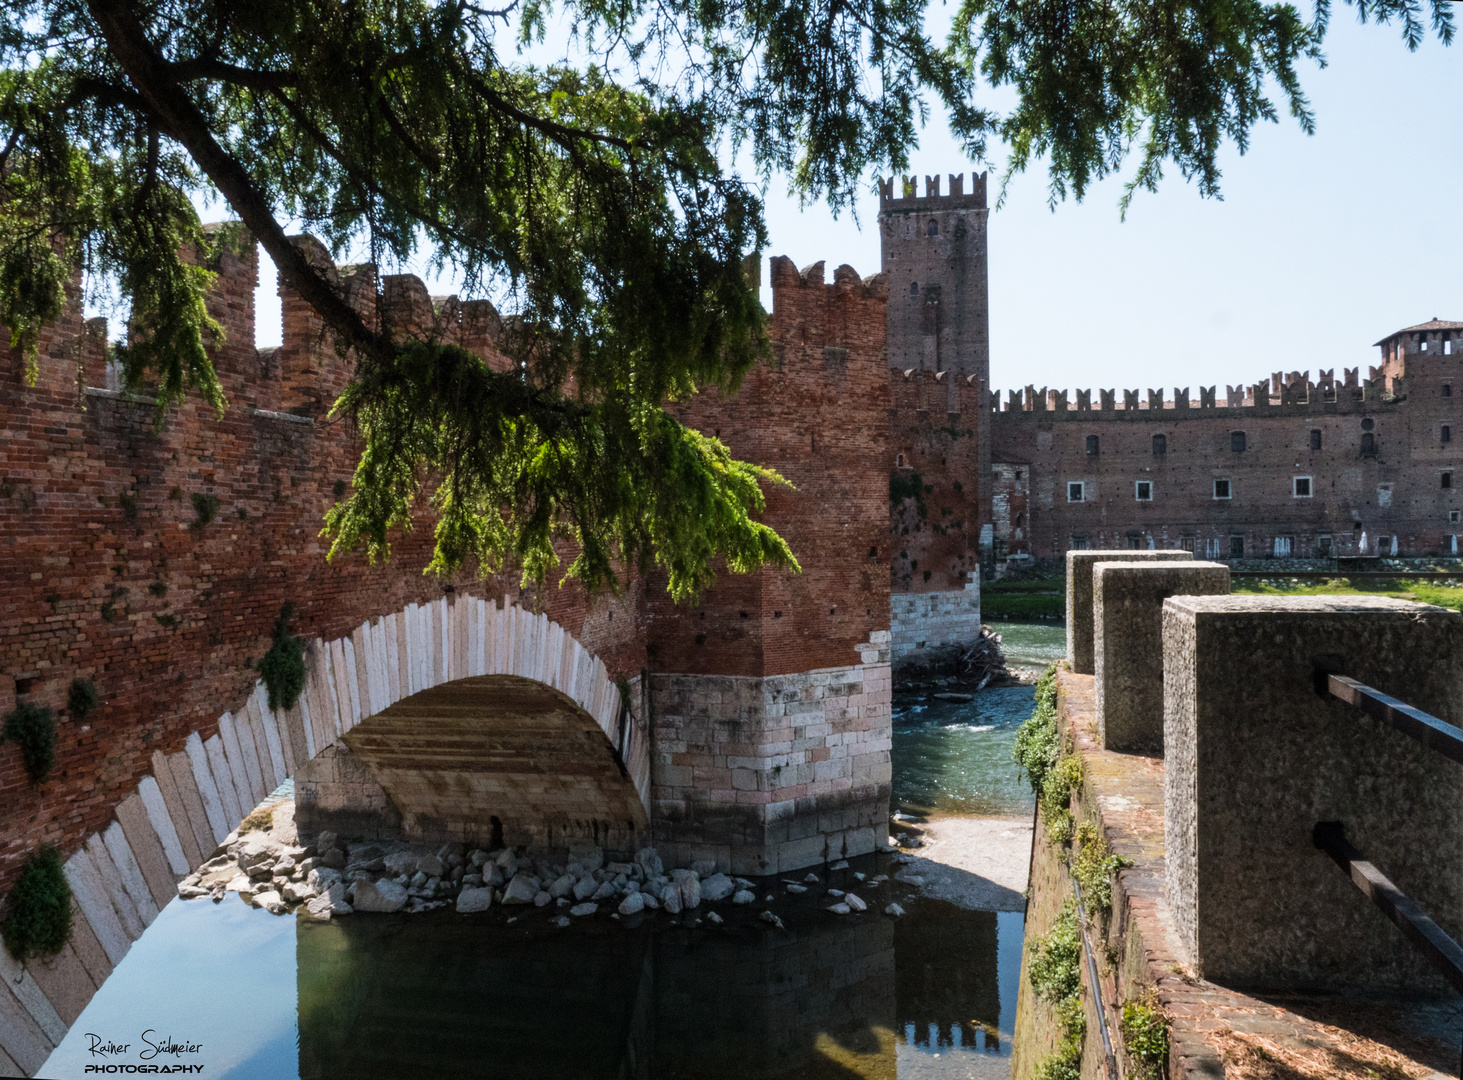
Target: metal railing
x=1445, y=954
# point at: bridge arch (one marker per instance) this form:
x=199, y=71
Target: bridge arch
x=123, y=874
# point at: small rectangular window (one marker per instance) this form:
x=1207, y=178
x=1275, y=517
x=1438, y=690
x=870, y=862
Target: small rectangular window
x=1283, y=546
x=1074, y=490
x=1315, y=438
x=1237, y=441
x=1144, y=490
x=1236, y=547
x=1092, y=444
x=1422, y=346
x=1323, y=545
x=1447, y=433
x=1301, y=487
x=1187, y=543
x=1447, y=348
x=1221, y=489
x=1455, y=516
x=1160, y=445
x=1447, y=479
x=1079, y=542
x=1448, y=387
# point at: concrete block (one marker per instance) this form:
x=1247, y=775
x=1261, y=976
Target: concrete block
x=147, y=849
x=113, y=888
x=234, y=806
x=65, y=981
x=96, y=908
x=272, y=739
x=180, y=766
x=1127, y=644
x=153, y=802
x=1079, y=596
x=130, y=872
x=30, y=995
x=207, y=789
x=241, y=764
x=1255, y=758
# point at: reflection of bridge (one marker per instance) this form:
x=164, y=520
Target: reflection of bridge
x=825, y=1000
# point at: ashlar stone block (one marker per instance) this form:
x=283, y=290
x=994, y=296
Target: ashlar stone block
x=1079, y=596
x=1255, y=757
x=1127, y=646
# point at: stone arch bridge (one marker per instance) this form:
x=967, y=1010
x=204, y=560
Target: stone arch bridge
x=751, y=727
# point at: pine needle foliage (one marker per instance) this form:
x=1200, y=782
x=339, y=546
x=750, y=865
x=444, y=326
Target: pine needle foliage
x=38, y=907
x=588, y=198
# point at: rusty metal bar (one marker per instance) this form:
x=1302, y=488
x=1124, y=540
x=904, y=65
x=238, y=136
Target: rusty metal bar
x=1109, y=1060
x=1443, y=952
x=1433, y=733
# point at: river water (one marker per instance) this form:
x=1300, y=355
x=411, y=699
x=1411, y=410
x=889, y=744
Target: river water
x=928, y=996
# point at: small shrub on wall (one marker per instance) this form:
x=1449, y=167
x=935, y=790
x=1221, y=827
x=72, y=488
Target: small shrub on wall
x=283, y=666
x=33, y=728
x=38, y=908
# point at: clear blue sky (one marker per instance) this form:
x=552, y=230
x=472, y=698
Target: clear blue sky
x=1320, y=245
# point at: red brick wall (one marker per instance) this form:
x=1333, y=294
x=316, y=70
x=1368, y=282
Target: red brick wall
x=188, y=607
x=935, y=539
x=818, y=414
x=1395, y=492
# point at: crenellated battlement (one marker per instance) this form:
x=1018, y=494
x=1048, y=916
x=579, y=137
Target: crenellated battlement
x=955, y=198
x=1292, y=392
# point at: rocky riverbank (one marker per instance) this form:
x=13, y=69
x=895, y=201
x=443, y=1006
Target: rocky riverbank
x=333, y=877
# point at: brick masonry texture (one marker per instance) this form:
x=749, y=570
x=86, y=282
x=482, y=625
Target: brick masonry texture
x=111, y=573
x=106, y=571
x=1370, y=457
x=934, y=266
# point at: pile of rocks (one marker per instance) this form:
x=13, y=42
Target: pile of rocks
x=331, y=878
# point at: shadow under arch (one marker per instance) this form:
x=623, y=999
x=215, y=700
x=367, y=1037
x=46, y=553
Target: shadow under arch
x=487, y=760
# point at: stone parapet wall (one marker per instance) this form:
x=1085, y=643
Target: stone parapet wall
x=768, y=775
x=925, y=627
x=1210, y=1027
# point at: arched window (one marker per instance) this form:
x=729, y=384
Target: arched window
x=933, y=228
x=914, y=288
x=1092, y=444
x=1160, y=445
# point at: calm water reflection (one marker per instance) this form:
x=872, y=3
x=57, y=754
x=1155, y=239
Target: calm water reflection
x=931, y=995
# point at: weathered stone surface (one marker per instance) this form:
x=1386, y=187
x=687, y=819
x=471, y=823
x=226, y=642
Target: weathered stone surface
x=430, y=865
x=521, y=890
x=562, y=886
x=742, y=897
x=854, y=902
x=588, y=908
x=717, y=887
x=471, y=900
x=894, y=909
x=689, y=886
x=400, y=862
x=584, y=888
x=649, y=862
x=384, y=895
x=322, y=878
x=1127, y=645
x=1254, y=758
x=1079, y=596
x=271, y=902
x=841, y=908
x=632, y=904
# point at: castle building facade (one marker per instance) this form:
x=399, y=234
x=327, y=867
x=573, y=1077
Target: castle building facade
x=1291, y=467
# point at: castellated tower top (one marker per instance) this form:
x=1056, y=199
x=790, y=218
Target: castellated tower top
x=900, y=193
